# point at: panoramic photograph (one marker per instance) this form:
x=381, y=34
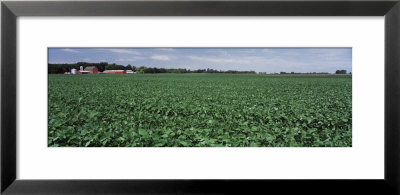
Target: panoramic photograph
x=199, y=97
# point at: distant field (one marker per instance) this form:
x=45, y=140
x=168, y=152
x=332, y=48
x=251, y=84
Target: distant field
x=205, y=110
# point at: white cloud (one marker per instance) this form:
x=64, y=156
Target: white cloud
x=71, y=50
x=234, y=59
x=259, y=63
x=135, y=58
x=166, y=49
x=161, y=57
x=62, y=62
x=123, y=51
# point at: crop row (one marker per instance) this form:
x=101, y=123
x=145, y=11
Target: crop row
x=200, y=110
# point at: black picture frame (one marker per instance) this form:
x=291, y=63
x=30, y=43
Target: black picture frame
x=10, y=10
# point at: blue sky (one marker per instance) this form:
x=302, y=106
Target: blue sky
x=258, y=59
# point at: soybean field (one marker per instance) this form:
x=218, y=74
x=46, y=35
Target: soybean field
x=199, y=110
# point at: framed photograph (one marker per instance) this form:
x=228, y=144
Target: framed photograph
x=200, y=97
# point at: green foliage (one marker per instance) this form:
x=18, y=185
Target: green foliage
x=200, y=110
x=62, y=68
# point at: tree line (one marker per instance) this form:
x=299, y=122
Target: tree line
x=341, y=72
x=62, y=68
x=337, y=72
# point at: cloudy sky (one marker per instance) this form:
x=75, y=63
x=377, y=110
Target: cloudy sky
x=257, y=59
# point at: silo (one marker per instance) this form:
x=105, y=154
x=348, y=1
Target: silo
x=73, y=71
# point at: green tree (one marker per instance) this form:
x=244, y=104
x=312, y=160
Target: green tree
x=129, y=67
x=141, y=69
x=341, y=71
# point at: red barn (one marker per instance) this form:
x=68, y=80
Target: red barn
x=92, y=69
x=88, y=70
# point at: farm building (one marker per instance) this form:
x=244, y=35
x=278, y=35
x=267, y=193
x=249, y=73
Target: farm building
x=73, y=71
x=114, y=72
x=130, y=72
x=88, y=70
